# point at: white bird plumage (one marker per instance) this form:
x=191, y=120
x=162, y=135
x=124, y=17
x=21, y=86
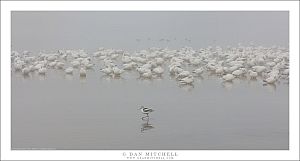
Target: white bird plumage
x=270, y=64
x=82, y=72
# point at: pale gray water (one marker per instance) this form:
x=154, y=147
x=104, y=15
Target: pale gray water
x=99, y=113
x=59, y=112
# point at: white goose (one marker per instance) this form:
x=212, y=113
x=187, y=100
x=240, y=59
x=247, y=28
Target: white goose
x=228, y=77
x=82, y=72
x=198, y=71
x=107, y=70
x=252, y=74
x=69, y=70
x=187, y=80
x=26, y=71
x=158, y=70
x=117, y=71
x=270, y=80
x=183, y=74
x=42, y=70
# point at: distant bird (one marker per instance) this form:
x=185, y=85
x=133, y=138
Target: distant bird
x=259, y=69
x=25, y=71
x=252, y=74
x=286, y=72
x=75, y=63
x=107, y=70
x=158, y=70
x=183, y=74
x=146, y=126
x=238, y=72
x=82, y=72
x=187, y=80
x=60, y=65
x=42, y=71
x=146, y=110
x=69, y=70
x=117, y=71
x=228, y=77
x=147, y=75
x=270, y=80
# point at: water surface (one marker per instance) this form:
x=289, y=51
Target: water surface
x=97, y=112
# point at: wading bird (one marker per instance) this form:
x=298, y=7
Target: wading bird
x=146, y=110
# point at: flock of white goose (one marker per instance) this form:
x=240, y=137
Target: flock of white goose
x=267, y=64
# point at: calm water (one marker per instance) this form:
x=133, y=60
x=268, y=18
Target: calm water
x=59, y=112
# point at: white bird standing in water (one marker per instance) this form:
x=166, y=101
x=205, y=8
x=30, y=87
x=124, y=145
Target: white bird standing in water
x=158, y=70
x=270, y=80
x=117, y=71
x=42, y=70
x=82, y=72
x=198, y=71
x=228, y=77
x=187, y=80
x=269, y=64
x=69, y=70
x=25, y=71
x=183, y=74
x=107, y=70
x=252, y=74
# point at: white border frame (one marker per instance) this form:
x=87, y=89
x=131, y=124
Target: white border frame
x=8, y=6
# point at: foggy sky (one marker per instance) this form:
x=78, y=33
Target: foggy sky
x=36, y=31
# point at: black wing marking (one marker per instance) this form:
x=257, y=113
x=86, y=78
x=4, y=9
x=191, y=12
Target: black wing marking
x=147, y=110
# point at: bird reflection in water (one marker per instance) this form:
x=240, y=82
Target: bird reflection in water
x=186, y=87
x=82, y=79
x=27, y=76
x=68, y=77
x=227, y=85
x=146, y=125
x=42, y=77
x=270, y=87
x=110, y=78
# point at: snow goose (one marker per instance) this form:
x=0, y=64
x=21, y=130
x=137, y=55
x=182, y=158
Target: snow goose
x=158, y=70
x=187, y=80
x=42, y=70
x=228, y=77
x=69, y=70
x=82, y=72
